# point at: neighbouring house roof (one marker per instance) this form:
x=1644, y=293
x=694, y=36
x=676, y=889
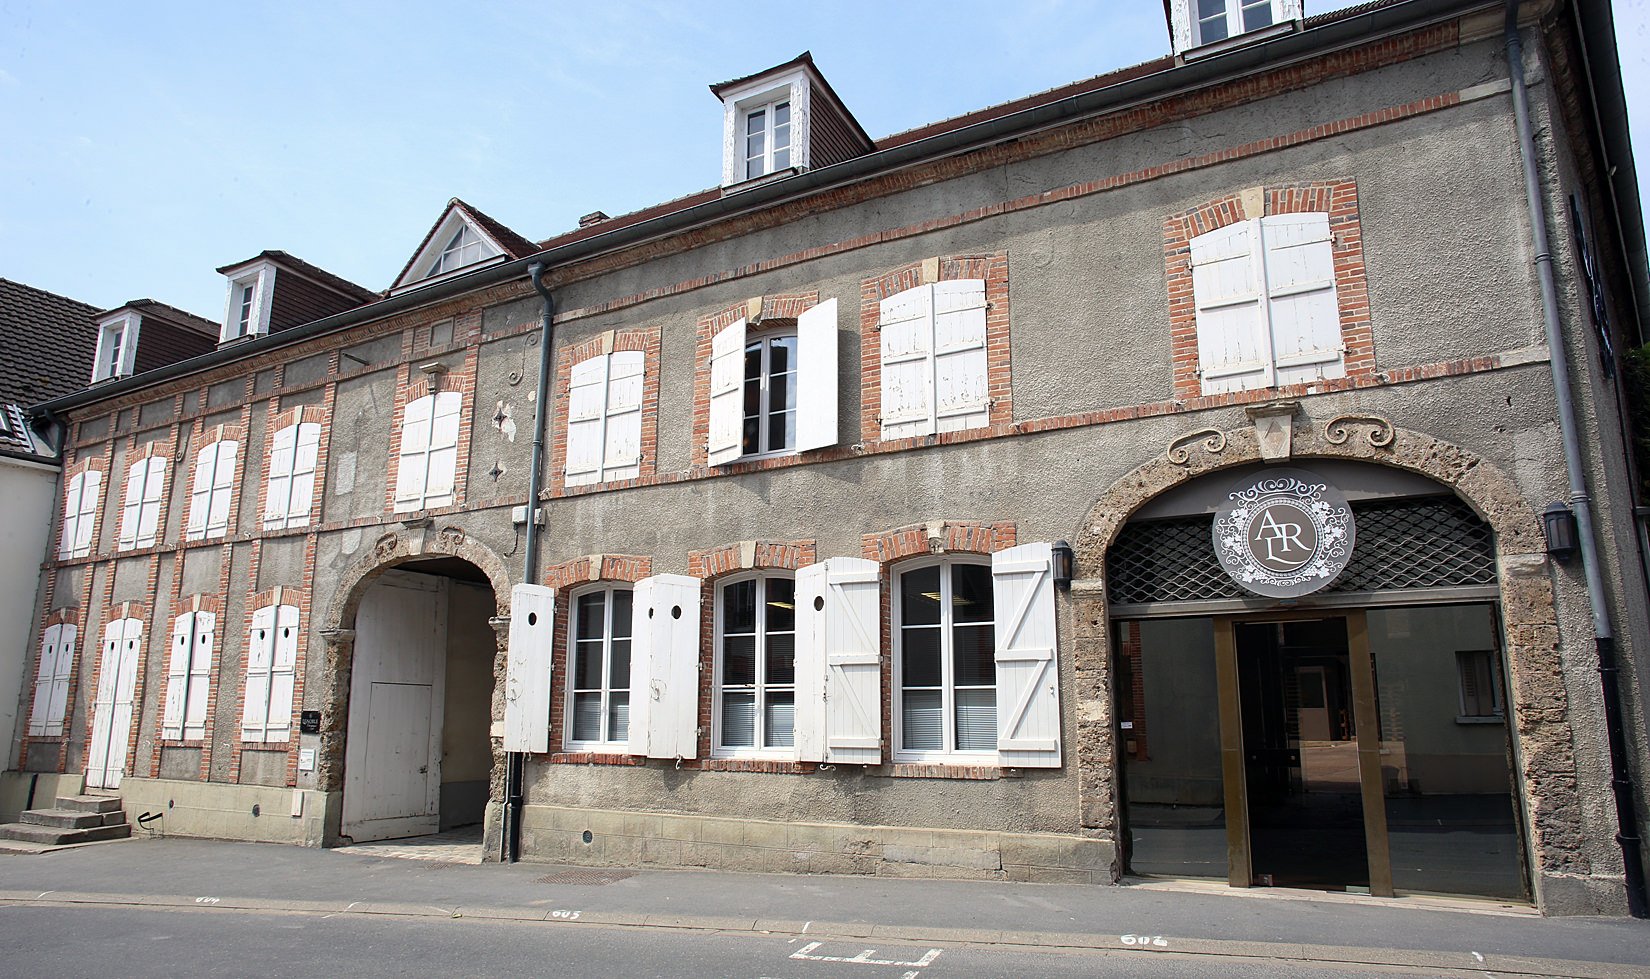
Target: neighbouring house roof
x=47, y=343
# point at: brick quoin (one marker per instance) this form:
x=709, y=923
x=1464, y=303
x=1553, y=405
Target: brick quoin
x=777, y=311
x=568, y=578
x=614, y=341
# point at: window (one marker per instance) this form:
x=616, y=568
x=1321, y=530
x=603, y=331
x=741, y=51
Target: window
x=188, y=677
x=213, y=489
x=767, y=138
x=465, y=247
x=251, y=297
x=1266, y=306
x=243, y=303
x=604, y=418
x=429, y=452
x=945, y=660
x=1215, y=18
x=116, y=346
x=80, y=514
x=1480, y=681
x=140, y=513
x=598, y=657
x=291, y=488
x=271, y=661
x=776, y=391
x=756, y=664
x=51, y=680
x=934, y=366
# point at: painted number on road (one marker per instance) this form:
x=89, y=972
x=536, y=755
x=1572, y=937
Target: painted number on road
x=206, y=900
x=867, y=957
x=561, y=915
x=1145, y=941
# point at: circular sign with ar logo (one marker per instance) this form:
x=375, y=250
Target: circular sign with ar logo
x=1284, y=533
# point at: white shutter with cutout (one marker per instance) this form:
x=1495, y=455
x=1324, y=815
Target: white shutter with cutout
x=260, y=655
x=1304, y=314
x=853, y=661
x=586, y=397
x=962, y=388
x=664, y=667
x=622, y=443
x=906, y=337
x=412, y=469
x=51, y=685
x=1028, y=673
x=527, y=667
x=177, y=677
x=103, y=703
x=816, y=377
x=1234, y=349
x=808, y=718
x=200, y=676
x=283, y=674
x=727, y=394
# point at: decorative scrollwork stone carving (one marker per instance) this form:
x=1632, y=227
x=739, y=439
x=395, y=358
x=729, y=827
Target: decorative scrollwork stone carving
x=1214, y=442
x=1338, y=429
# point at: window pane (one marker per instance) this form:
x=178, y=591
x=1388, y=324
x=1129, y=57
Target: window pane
x=781, y=605
x=920, y=719
x=971, y=597
x=739, y=719
x=754, y=121
x=739, y=660
x=592, y=609
x=782, y=114
x=739, y=607
x=778, y=720
x=618, y=716
x=781, y=393
x=976, y=720
x=1257, y=15
x=621, y=613
x=781, y=355
x=619, y=677
x=920, y=657
x=781, y=666
x=781, y=159
x=587, y=665
x=781, y=430
x=973, y=661
x=920, y=597
x=587, y=717
x=752, y=440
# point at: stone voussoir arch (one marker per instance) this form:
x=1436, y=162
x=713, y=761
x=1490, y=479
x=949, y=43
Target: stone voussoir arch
x=1545, y=750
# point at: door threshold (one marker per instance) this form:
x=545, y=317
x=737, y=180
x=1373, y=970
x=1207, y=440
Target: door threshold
x=1435, y=902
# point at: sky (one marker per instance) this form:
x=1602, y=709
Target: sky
x=144, y=145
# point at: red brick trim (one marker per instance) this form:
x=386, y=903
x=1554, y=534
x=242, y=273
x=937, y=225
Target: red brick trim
x=993, y=268
x=63, y=616
x=777, y=310
x=408, y=389
x=567, y=578
x=1338, y=199
x=90, y=463
x=648, y=341
x=597, y=567
x=969, y=773
x=951, y=536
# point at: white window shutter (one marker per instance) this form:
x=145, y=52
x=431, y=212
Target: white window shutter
x=103, y=702
x=177, y=677
x=1300, y=286
x=727, y=394
x=1234, y=349
x=1028, y=674
x=223, y=488
x=962, y=387
x=91, y=488
x=71, y=515
x=853, y=661
x=200, y=675
x=622, y=450
x=816, y=377
x=438, y=490
x=306, y=454
x=200, y=490
x=808, y=721
x=260, y=654
x=278, y=494
x=664, y=667
x=412, y=469
x=132, y=505
x=283, y=674
x=527, y=669
x=586, y=398
x=154, y=488
x=906, y=331
x=51, y=688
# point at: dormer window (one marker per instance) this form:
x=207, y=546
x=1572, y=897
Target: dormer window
x=464, y=248
x=1198, y=24
x=1215, y=18
x=464, y=240
x=251, y=289
x=768, y=138
x=769, y=120
x=116, y=347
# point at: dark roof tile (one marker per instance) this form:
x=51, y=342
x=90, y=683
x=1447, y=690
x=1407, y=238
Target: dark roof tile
x=47, y=344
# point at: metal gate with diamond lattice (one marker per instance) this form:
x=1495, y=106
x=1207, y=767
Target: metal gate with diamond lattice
x=1436, y=544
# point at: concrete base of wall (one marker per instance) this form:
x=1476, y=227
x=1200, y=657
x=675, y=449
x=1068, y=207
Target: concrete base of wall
x=1560, y=895
x=630, y=839
x=14, y=791
x=217, y=811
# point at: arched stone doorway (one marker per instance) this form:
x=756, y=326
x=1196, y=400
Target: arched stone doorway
x=414, y=650
x=1543, y=748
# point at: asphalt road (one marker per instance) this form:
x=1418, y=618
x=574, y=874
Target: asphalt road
x=55, y=941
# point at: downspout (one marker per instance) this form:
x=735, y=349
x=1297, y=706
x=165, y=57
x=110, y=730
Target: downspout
x=515, y=761
x=1621, y=780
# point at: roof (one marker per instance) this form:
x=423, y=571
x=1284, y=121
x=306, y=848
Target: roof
x=47, y=343
x=336, y=283
x=514, y=245
x=154, y=307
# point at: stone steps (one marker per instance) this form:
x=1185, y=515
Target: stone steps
x=73, y=819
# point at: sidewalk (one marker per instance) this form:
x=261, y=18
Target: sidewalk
x=1190, y=918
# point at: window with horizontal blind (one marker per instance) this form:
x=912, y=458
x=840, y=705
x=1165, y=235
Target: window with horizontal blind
x=598, y=657
x=945, y=660
x=755, y=693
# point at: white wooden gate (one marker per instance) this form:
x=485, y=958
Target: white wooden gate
x=392, y=763
x=112, y=708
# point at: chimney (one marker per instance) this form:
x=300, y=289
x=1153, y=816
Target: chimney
x=594, y=217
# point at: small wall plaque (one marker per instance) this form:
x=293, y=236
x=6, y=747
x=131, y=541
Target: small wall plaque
x=309, y=722
x=1284, y=533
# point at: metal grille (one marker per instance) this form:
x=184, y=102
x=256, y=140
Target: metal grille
x=1432, y=542
x=589, y=877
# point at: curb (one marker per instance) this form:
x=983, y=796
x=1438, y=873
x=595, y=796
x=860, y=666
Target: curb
x=1145, y=944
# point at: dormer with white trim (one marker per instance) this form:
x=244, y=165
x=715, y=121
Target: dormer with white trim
x=1205, y=27
x=273, y=291
x=784, y=120
x=251, y=295
x=463, y=240
x=143, y=335
x=117, y=340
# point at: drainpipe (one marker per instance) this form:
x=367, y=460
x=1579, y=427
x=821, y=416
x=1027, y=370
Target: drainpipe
x=1621, y=779
x=515, y=761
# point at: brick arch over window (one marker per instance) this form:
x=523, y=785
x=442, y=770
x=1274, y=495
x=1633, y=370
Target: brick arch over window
x=1336, y=198
x=337, y=631
x=761, y=313
x=1547, y=746
x=567, y=578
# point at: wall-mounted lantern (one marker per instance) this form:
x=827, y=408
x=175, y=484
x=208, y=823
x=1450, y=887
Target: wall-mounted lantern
x=1064, y=560
x=1558, y=522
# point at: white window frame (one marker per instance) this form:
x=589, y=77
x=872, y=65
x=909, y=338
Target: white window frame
x=211, y=498
x=605, y=690
x=272, y=646
x=593, y=415
x=284, y=506
x=140, y=510
x=58, y=645
x=239, y=320
x=759, y=685
x=948, y=752
x=418, y=453
x=767, y=161
x=466, y=241
x=117, y=341
x=80, y=500
x=189, y=676
x=794, y=87
x=763, y=384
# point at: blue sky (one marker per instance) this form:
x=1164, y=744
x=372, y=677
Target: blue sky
x=147, y=144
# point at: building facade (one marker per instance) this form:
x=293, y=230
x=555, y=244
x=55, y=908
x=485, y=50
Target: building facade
x=1254, y=327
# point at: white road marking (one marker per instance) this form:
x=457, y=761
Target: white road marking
x=805, y=953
